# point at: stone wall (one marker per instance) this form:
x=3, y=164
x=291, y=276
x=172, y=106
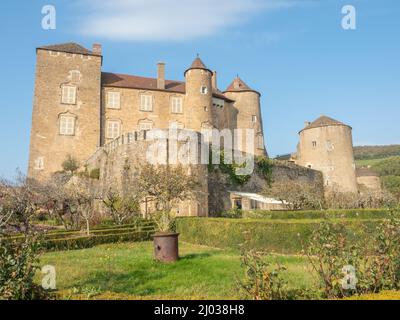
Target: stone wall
x=219, y=184
x=119, y=160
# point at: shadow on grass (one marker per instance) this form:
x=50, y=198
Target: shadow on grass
x=192, y=256
x=136, y=282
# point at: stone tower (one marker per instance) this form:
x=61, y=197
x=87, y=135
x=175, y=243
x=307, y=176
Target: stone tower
x=198, y=96
x=247, y=103
x=326, y=145
x=66, y=107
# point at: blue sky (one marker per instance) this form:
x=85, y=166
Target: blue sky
x=294, y=52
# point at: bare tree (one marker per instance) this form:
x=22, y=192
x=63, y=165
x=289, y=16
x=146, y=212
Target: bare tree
x=166, y=184
x=296, y=194
x=82, y=195
x=59, y=201
x=122, y=206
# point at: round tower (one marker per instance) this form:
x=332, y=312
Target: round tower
x=198, y=98
x=327, y=145
x=247, y=104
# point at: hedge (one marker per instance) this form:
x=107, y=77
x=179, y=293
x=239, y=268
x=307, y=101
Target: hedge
x=77, y=239
x=279, y=236
x=93, y=240
x=319, y=214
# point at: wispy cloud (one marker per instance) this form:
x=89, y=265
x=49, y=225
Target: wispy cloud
x=166, y=20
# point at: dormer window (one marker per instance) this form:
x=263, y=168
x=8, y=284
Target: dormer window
x=203, y=90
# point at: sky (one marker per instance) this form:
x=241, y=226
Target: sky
x=296, y=53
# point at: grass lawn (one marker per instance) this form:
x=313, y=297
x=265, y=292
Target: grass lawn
x=128, y=271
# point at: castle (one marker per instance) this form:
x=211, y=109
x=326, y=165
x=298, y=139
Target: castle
x=78, y=108
x=101, y=119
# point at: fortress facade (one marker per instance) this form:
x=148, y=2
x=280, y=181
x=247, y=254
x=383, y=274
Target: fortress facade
x=101, y=119
x=78, y=108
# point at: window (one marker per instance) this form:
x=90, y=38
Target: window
x=176, y=105
x=253, y=118
x=260, y=142
x=113, y=100
x=39, y=163
x=314, y=144
x=203, y=90
x=146, y=103
x=67, y=125
x=113, y=129
x=145, y=125
x=68, y=95
x=75, y=75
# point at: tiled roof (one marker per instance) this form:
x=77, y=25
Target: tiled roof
x=238, y=85
x=70, y=47
x=136, y=82
x=198, y=64
x=324, y=121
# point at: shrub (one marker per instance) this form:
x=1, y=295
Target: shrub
x=19, y=261
x=260, y=281
x=70, y=164
x=348, y=267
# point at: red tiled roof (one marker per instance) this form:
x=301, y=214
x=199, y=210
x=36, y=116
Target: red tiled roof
x=136, y=82
x=198, y=64
x=238, y=85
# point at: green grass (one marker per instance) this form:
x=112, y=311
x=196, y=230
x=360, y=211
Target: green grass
x=128, y=271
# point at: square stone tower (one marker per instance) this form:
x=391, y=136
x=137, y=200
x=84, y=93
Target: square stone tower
x=66, y=107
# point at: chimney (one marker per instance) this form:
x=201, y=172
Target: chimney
x=97, y=49
x=307, y=123
x=161, y=75
x=214, y=80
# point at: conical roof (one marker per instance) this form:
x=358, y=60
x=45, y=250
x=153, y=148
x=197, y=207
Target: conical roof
x=324, y=121
x=238, y=85
x=198, y=64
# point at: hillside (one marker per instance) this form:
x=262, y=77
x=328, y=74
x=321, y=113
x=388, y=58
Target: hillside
x=384, y=160
x=376, y=152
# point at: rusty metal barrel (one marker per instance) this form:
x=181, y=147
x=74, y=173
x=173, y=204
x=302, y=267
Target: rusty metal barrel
x=166, y=247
